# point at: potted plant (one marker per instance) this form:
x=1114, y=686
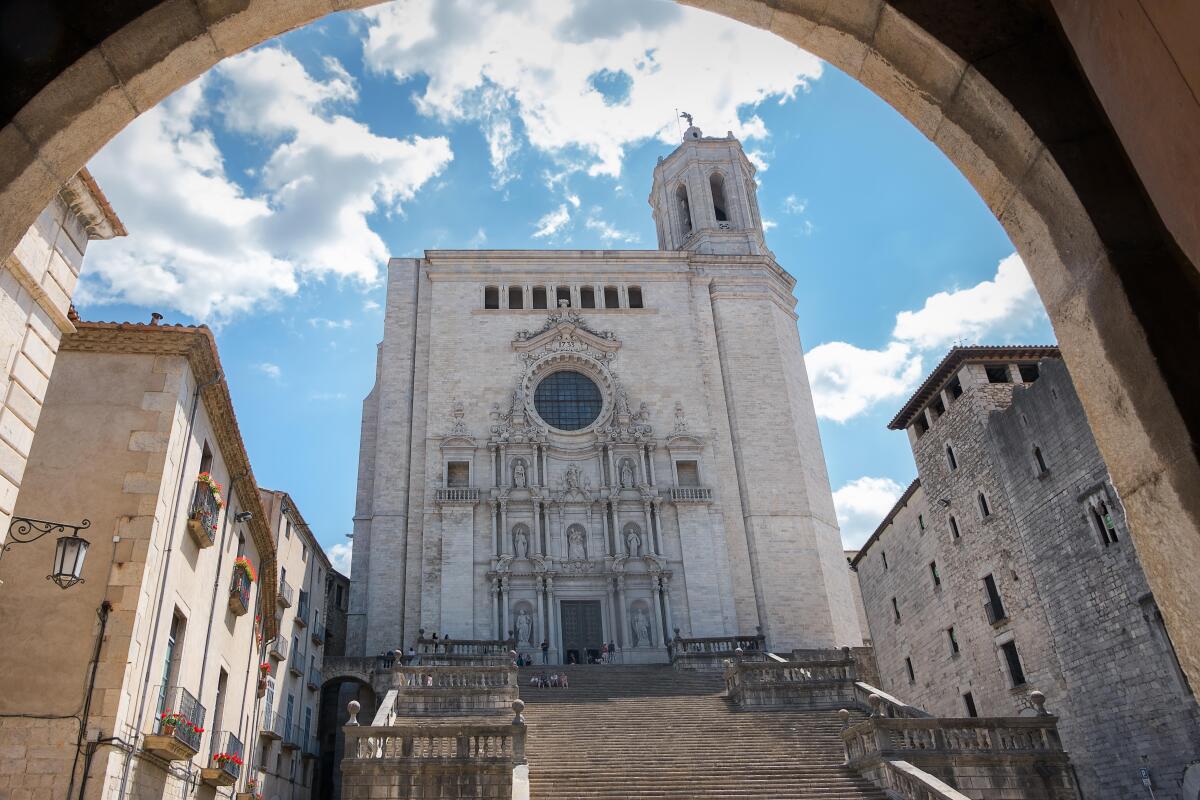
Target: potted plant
x=242, y=564
x=206, y=507
x=169, y=721
x=223, y=760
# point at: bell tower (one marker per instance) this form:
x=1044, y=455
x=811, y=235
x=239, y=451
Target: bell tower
x=705, y=199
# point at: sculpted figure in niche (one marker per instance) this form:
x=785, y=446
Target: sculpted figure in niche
x=641, y=628
x=626, y=475
x=576, y=547
x=521, y=543
x=524, y=628
x=622, y=401
x=633, y=542
x=519, y=474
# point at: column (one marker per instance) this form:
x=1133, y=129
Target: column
x=545, y=467
x=621, y=613
x=505, y=539
x=666, y=594
x=621, y=550
x=541, y=617
x=656, y=519
x=555, y=626
x=613, y=478
x=650, y=462
x=658, y=631
x=535, y=547
x=504, y=295
x=649, y=538
x=495, y=532
x=503, y=466
x=495, y=604
x=492, y=461
x=505, y=601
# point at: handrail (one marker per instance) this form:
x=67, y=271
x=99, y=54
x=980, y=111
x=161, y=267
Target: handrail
x=910, y=783
x=227, y=753
x=890, y=705
x=479, y=676
x=480, y=744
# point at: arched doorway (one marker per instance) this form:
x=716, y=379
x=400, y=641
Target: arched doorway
x=336, y=693
x=994, y=84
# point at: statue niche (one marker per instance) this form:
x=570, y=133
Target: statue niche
x=628, y=478
x=524, y=628
x=576, y=543
x=633, y=541
x=520, y=535
x=520, y=473
x=640, y=622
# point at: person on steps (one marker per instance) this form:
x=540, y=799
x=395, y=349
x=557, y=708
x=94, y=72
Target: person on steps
x=545, y=652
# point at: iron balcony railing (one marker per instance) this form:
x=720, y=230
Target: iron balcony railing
x=292, y=734
x=278, y=649
x=181, y=717
x=310, y=748
x=239, y=589
x=691, y=494
x=318, y=633
x=284, y=597
x=294, y=665
x=272, y=724
x=314, y=678
x=228, y=753
x=205, y=510
x=302, y=609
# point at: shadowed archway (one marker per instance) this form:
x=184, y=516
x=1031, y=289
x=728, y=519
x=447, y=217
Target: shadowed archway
x=997, y=85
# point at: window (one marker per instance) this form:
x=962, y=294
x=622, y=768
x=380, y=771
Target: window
x=921, y=522
x=1029, y=372
x=562, y=294
x=688, y=473
x=516, y=297
x=287, y=527
x=950, y=635
x=969, y=702
x=984, y=509
x=954, y=528
x=997, y=373
x=567, y=400
x=612, y=299
x=206, y=459
x=883, y=555
x=491, y=297
x=1013, y=661
x=635, y=297
x=933, y=572
x=219, y=703
x=920, y=425
x=685, y=209
x=954, y=388
x=716, y=183
x=539, y=297
x=1039, y=462
x=172, y=657
x=951, y=461
x=303, y=552
x=241, y=544
x=937, y=407
x=1102, y=517
x=994, y=606
x=587, y=297
x=912, y=676
x=458, y=474
x=895, y=611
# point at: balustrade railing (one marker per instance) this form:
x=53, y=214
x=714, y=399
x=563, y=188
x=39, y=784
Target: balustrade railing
x=239, y=591
x=898, y=736
x=456, y=495
x=909, y=783
x=285, y=594
x=181, y=718
x=479, y=744
x=318, y=633
x=459, y=689
x=203, y=514
x=314, y=678
x=889, y=706
x=473, y=677
x=464, y=651
x=791, y=684
x=712, y=652
x=272, y=724
x=278, y=648
x=302, y=610
x=691, y=494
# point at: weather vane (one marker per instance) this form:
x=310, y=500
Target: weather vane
x=688, y=117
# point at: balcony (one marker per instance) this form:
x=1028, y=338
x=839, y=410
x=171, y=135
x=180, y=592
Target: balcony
x=302, y=610
x=691, y=494
x=284, y=596
x=179, y=726
x=278, y=648
x=995, y=612
x=272, y=725
x=294, y=665
x=291, y=737
x=314, y=679
x=203, y=515
x=309, y=747
x=225, y=763
x=239, y=591
x=456, y=495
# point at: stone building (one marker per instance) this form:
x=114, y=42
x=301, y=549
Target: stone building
x=600, y=446
x=140, y=680
x=337, y=603
x=36, y=284
x=287, y=725
x=1007, y=566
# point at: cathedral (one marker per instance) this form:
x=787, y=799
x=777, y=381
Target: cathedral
x=582, y=447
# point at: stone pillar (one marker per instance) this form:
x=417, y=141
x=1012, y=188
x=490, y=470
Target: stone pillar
x=650, y=462
x=555, y=627
x=492, y=463
x=541, y=614
x=648, y=539
x=495, y=533
x=613, y=478
x=505, y=538
x=656, y=519
x=503, y=466
x=495, y=603
x=622, y=612
x=536, y=534
x=617, y=533
x=666, y=595
x=657, y=633
x=505, y=600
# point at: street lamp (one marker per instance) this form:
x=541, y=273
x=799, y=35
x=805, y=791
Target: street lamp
x=69, y=551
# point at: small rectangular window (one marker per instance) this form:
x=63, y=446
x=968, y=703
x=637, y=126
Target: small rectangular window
x=562, y=294
x=954, y=528
x=953, y=638
x=635, y=297
x=994, y=605
x=1029, y=372
x=984, y=509
x=937, y=407
x=587, y=297
x=1015, y=673
x=206, y=459
x=921, y=522
x=458, y=474
x=491, y=297
x=688, y=472
x=954, y=388
x=951, y=461
x=516, y=297
x=920, y=425
x=1039, y=462
x=883, y=555
x=933, y=572
x=612, y=299
x=539, y=297
x=303, y=553
x=1103, y=519
x=912, y=676
x=969, y=702
x=998, y=373
x=895, y=611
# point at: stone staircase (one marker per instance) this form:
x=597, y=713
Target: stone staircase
x=652, y=732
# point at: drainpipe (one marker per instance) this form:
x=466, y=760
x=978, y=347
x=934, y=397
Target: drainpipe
x=105, y=608
x=162, y=586
x=246, y=753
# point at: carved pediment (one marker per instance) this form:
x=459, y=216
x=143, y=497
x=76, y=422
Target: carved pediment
x=566, y=330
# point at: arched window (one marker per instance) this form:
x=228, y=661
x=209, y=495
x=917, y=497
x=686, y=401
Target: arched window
x=516, y=297
x=635, y=296
x=685, y=208
x=539, y=297
x=716, y=182
x=491, y=297
x=587, y=297
x=611, y=298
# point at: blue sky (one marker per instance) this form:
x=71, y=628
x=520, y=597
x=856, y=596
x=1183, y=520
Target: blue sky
x=265, y=197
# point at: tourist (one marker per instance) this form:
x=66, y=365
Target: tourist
x=545, y=652
x=413, y=658
x=562, y=680
x=612, y=652
x=604, y=653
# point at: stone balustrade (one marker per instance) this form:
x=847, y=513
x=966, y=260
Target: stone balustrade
x=450, y=652
x=905, y=781
x=889, y=706
x=456, y=495
x=446, y=690
x=411, y=760
x=790, y=684
x=691, y=494
x=711, y=653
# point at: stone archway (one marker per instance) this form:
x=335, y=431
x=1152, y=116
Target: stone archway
x=994, y=84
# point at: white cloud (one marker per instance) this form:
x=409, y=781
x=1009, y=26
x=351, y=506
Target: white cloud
x=794, y=205
x=609, y=233
x=323, y=396
x=272, y=371
x=849, y=380
x=340, y=557
x=552, y=222
x=202, y=244
x=1007, y=303
x=478, y=240
x=768, y=224
x=650, y=56
x=331, y=324
x=370, y=305
x=861, y=505
x=758, y=158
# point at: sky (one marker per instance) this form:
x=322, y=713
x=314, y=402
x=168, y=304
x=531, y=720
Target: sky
x=265, y=198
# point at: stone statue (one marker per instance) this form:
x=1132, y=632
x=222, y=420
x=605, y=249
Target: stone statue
x=680, y=420
x=641, y=628
x=524, y=627
x=643, y=414
x=521, y=544
x=633, y=543
x=571, y=479
x=622, y=401
x=519, y=474
x=576, y=547
x=626, y=475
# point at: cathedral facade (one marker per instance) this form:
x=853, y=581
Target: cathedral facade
x=582, y=447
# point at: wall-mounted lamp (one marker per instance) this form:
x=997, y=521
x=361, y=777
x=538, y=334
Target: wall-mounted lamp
x=69, y=551
x=243, y=516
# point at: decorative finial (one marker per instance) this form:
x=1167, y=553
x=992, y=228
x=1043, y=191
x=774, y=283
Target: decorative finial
x=876, y=704
x=845, y=717
x=1039, y=702
x=518, y=706
x=155, y=317
x=688, y=117
x=353, y=708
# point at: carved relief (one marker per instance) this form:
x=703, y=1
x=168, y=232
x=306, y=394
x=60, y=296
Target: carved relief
x=633, y=540
x=627, y=476
x=639, y=620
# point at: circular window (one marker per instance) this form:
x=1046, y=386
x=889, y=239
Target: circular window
x=567, y=400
